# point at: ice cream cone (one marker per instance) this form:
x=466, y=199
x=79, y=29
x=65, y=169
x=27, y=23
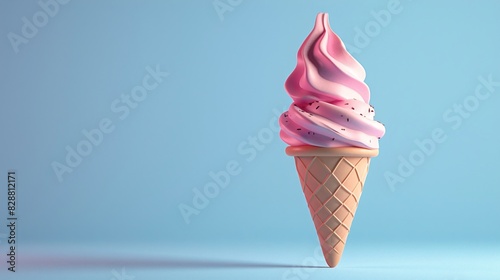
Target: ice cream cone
x=332, y=180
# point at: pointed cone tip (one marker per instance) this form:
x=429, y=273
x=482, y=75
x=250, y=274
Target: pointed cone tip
x=332, y=260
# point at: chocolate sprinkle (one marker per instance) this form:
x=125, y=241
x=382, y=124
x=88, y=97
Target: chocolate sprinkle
x=317, y=108
x=347, y=119
x=299, y=128
x=352, y=108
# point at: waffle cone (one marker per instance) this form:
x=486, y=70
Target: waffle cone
x=332, y=181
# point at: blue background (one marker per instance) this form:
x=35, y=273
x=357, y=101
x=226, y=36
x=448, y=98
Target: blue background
x=225, y=83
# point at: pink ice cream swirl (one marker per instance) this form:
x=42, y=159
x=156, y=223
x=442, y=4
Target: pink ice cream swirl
x=330, y=99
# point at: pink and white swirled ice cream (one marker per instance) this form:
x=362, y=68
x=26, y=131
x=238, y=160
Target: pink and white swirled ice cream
x=330, y=98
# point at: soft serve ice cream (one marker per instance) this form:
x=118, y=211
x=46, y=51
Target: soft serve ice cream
x=330, y=98
x=331, y=134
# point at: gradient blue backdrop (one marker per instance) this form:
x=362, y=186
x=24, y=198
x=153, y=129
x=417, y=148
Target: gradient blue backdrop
x=225, y=85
